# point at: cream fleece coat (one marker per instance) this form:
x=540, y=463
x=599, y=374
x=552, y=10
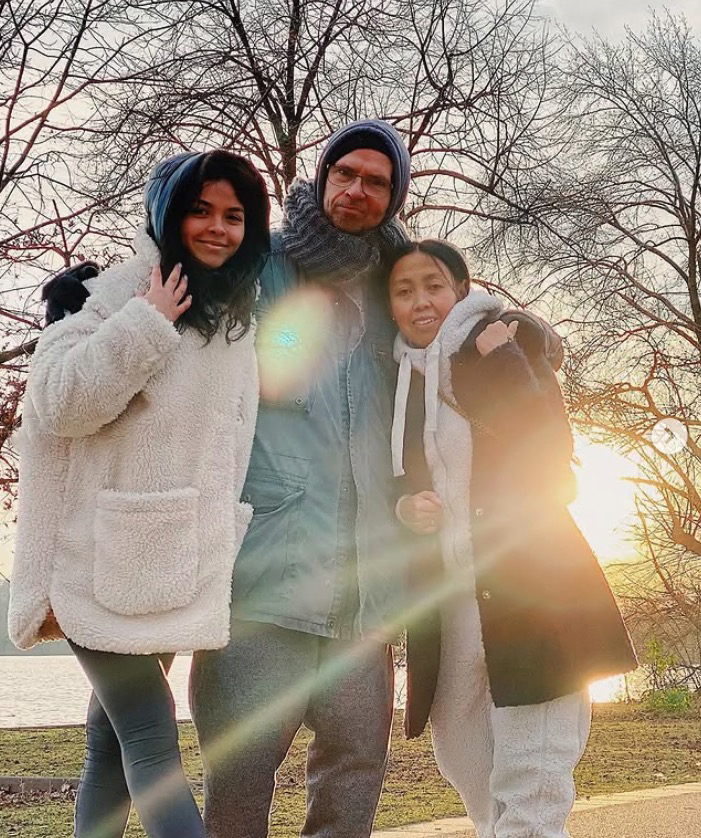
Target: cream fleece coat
x=134, y=447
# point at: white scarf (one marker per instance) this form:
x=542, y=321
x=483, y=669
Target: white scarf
x=434, y=363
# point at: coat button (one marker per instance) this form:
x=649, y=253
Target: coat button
x=479, y=511
x=486, y=595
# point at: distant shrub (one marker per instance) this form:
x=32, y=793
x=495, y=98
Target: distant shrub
x=673, y=701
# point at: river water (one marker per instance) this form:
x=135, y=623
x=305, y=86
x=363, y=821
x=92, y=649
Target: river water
x=51, y=690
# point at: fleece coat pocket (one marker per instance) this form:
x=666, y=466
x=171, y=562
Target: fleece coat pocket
x=146, y=550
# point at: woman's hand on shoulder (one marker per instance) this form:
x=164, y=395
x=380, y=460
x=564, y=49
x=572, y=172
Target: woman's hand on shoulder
x=495, y=335
x=169, y=297
x=422, y=513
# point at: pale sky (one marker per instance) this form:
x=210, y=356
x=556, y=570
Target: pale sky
x=609, y=17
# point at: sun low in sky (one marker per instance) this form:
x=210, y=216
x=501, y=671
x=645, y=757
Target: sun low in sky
x=604, y=510
x=605, y=505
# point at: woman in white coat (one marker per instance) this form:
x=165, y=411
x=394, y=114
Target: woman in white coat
x=135, y=440
x=526, y=618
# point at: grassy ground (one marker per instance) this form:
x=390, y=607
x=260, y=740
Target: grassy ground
x=626, y=751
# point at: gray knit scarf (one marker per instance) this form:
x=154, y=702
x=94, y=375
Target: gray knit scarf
x=322, y=251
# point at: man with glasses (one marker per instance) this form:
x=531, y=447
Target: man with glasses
x=317, y=583
x=358, y=190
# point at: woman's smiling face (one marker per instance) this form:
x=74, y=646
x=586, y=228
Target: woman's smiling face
x=421, y=293
x=213, y=229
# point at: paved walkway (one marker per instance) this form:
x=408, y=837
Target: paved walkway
x=668, y=812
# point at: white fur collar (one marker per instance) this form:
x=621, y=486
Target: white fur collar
x=145, y=247
x=434, y=363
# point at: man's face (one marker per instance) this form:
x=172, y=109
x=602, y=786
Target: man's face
x=349, y=208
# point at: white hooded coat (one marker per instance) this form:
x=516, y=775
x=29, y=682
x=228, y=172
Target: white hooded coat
x=512, y=766
x=134, y=447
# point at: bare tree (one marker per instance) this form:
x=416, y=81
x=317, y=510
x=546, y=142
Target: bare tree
x=614, y=227
x=52, y=54
x=99, y=90
x=465, y=82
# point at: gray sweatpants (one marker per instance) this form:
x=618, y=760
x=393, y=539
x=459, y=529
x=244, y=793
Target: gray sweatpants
x=250, y=699
x=512, y=766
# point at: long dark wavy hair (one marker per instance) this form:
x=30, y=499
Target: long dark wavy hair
x=224, y=295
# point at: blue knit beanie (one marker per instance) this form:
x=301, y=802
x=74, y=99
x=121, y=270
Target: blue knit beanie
x=379, y=136
x=162, y=185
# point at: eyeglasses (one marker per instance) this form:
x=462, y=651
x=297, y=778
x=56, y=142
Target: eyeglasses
x=375, y=187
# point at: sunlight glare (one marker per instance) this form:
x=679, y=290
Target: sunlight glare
x=291, y=342
x=605, y=503
x=608, y=689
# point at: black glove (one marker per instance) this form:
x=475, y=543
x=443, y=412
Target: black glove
x=65, y=293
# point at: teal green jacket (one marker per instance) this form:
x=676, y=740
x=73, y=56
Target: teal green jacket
x=323, y=553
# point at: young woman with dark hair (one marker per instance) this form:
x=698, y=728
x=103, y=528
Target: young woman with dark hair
x=525, y=616
x=221, y=283
x=136, y=435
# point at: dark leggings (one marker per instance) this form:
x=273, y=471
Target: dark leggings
x=132, y=751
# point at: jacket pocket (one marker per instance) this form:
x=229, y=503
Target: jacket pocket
x=272, y=538
x=146, y=550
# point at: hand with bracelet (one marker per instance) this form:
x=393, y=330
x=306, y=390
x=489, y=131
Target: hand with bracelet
x=494, y=335
x=422, y=513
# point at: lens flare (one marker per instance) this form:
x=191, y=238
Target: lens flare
x=292, y=342
x=227, y=740
x=608, y=689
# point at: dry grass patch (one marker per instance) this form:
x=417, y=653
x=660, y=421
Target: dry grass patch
x=626, y=751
